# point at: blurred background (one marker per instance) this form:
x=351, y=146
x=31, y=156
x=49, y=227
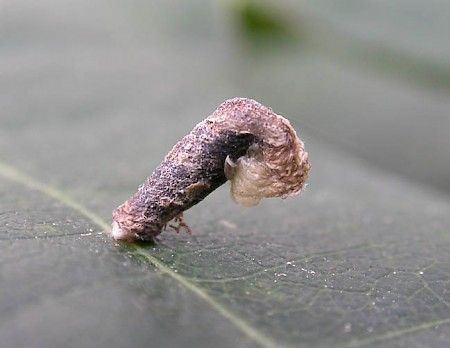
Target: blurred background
x=372, y=77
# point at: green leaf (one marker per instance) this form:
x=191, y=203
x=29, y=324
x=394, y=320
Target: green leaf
x=261, y=25
x=93, y=100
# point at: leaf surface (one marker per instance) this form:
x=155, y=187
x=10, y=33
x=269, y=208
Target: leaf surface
x=360, y=259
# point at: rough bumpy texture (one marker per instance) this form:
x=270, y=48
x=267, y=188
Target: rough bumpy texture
x=242, y=141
